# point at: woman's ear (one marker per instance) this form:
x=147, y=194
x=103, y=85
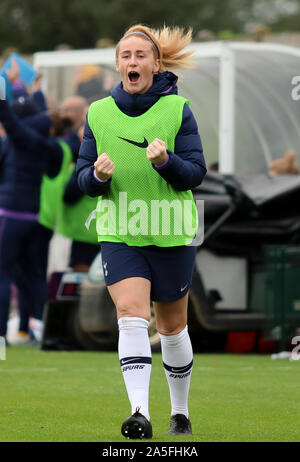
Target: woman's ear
x=156, y=66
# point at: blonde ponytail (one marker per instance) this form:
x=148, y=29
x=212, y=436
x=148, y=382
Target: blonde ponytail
x=168, y=44
x=172, y=41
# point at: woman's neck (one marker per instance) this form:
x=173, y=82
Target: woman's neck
x=138, y=103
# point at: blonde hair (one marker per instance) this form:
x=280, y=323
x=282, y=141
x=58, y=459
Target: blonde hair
x=169, y=42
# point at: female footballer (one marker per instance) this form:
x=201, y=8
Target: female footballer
x=142, y=154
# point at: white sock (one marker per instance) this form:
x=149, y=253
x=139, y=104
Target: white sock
x=136, y=361
x=177, y=356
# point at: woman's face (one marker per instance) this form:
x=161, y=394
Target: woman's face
x=136, y=63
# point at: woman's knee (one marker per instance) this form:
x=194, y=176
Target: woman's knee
x=131, y=297
x=172, y=328
x=128, y=307
x=171, y=317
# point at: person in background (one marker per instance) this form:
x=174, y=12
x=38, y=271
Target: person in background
x=25, y=160
x=90, y=83
x=75, y=108
x=6, y=284
x=59, y=157
x=76, y=208
x=50, y=206
x=76, y=205
x=285, y=165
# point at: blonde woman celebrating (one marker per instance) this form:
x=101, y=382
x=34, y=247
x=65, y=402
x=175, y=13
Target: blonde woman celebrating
x=142, y=154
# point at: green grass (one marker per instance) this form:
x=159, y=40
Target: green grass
x=80, y=396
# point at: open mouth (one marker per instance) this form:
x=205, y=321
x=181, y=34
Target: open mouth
x=133, y=76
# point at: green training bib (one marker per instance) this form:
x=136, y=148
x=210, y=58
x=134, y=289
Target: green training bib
x=52, y=190
x=141, y=208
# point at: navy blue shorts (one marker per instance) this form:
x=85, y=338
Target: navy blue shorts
x=170, y=269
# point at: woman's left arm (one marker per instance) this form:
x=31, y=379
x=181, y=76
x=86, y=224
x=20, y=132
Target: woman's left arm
x=185, y=168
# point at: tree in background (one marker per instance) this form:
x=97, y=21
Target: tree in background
x=32, y=25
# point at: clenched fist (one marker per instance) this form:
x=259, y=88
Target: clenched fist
x=104, y=167
x=157, y=152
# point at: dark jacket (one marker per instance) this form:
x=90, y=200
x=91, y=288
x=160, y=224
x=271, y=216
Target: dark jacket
x=29, y=145
x=185, y=168
x=23, y=160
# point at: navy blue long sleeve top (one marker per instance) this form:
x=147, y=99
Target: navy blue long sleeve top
x=24, y=161
x=185, y=168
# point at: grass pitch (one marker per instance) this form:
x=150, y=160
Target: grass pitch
x=80, y=397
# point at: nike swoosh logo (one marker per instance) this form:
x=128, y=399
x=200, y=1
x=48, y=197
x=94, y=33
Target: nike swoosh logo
x=128, y=360
x=144, y=144
x=182, y=288
x=179, y=371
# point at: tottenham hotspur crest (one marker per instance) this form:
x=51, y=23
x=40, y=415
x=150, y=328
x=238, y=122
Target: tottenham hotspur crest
x=105, y=268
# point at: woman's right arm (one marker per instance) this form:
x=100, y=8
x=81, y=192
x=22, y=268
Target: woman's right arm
x=87, y=181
